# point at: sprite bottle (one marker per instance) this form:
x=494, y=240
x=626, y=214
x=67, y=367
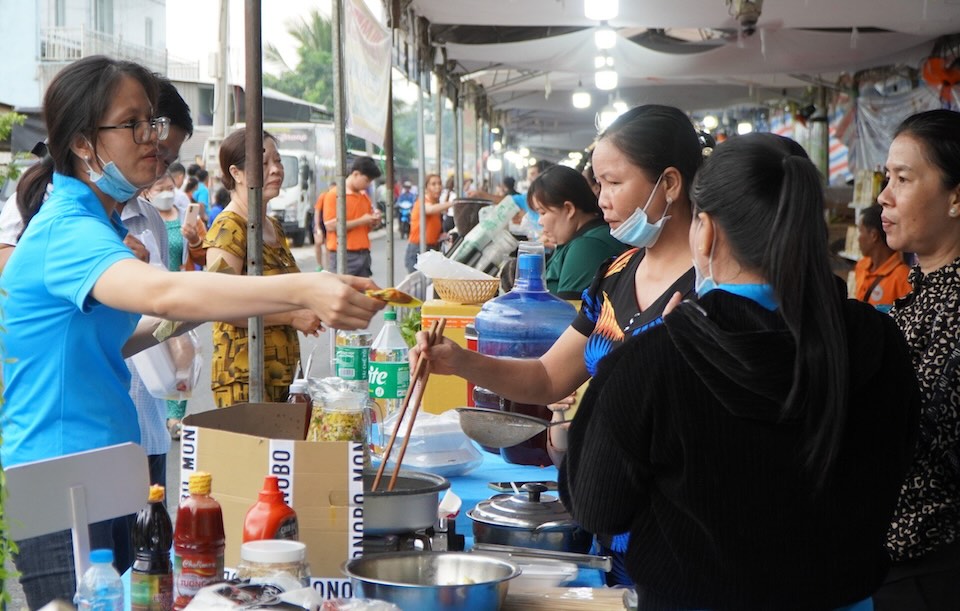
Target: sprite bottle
x=389, y=370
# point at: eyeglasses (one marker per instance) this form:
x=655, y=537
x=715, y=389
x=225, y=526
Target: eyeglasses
x=144, y=129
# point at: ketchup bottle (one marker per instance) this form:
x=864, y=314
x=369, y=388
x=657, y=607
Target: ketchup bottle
x=270, y=517
x=198, y=542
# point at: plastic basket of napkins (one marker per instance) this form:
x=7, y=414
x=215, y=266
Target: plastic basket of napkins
x=455, y=282
x=437, y=445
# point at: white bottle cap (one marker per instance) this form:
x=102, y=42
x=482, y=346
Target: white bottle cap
x=270, y=551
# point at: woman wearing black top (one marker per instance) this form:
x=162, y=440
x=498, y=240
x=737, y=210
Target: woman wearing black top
x=921, y=214
x=755, y=442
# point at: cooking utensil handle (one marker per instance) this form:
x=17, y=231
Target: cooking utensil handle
x=603, y=563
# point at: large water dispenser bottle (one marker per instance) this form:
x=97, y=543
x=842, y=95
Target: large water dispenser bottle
x=524, y=323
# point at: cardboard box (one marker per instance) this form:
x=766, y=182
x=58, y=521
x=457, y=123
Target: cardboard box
x=446, y=392
x=322, y=481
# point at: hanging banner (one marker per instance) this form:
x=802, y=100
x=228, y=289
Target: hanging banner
x=366, y=61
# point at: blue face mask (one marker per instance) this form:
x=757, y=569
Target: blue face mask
x=637, y=230
x=704, y=284
x=111, y=182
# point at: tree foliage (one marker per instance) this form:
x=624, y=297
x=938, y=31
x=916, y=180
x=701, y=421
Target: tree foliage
x=10, y=172
x=312, y=79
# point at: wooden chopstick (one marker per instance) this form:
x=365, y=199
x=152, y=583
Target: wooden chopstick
x=435, y=337
x=436, y=332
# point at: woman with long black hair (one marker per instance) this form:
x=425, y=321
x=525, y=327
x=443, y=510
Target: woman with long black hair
x=755, y=442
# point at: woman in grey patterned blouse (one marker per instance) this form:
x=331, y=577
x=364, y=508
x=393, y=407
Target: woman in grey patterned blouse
x=921, y=214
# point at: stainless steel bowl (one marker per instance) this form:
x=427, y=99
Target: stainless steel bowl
x=432, y=581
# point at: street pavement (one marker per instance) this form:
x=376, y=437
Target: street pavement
x=202, y=399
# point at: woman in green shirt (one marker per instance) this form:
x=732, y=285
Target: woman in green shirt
x=571, y=217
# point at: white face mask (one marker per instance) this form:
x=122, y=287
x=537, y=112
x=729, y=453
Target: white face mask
x=162, y=201
x=637, y=230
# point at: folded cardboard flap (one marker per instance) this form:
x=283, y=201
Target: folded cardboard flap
x=322, y=481
x=270, y=420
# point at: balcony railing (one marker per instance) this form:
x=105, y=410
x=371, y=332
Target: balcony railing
x=63, y=45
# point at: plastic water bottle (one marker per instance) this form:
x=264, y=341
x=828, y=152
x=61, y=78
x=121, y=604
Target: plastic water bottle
x=524, y=323
x=352, y=358
x=389, y=368
x=101, y=588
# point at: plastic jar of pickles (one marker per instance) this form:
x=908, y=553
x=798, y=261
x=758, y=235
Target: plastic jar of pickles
x=342, y=417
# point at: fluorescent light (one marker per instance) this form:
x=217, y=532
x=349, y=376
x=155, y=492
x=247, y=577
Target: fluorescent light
x=601, y=10
x=494, y=164
x=744, y=127
x=620, y=106
x=606, y=80
x=710, y=122
x=605, y=37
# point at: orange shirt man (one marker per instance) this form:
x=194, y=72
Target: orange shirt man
x=881, y=274
x=361, y=216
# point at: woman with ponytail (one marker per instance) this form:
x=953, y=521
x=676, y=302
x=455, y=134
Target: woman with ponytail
x=754, y=444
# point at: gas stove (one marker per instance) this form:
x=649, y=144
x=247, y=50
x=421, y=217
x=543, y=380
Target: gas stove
x=442, y=536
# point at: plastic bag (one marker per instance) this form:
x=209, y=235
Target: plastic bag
x=171, y=369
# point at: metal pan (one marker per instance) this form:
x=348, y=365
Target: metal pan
x=496, y=429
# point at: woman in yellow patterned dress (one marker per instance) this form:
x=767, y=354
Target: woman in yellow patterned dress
x=226, y=243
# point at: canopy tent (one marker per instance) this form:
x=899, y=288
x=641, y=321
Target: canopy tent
x=528, y=56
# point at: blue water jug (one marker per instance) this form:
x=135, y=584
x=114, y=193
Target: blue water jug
x=524, y=323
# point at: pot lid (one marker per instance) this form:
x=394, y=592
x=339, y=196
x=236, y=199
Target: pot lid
x=529, y=509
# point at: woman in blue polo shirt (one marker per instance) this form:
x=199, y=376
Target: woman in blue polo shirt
x=73, y=294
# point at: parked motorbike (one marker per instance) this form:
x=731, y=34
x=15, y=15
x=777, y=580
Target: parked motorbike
x=404, y=210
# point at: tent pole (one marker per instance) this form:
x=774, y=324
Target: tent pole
x=422, y=75
x=388, y=180
x=457, y=143
x=339, y=133
x=253, y=103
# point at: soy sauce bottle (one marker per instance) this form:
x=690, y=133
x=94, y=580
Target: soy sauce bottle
x=151, y=580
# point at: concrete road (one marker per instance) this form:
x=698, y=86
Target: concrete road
x=202, y=399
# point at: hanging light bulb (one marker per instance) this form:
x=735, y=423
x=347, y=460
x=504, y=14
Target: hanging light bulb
x=604, y=37
x=606, y=79
x=620, y=106
x=606, y=117
x=581, y=97
x=602, y=61
x=710, y=122
x=601, y=10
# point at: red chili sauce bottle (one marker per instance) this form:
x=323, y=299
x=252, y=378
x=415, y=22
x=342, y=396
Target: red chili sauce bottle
x=198, y=542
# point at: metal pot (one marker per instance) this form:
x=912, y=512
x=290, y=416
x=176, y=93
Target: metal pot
x=411, y=506
x=433, y=581
x=529, y=519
